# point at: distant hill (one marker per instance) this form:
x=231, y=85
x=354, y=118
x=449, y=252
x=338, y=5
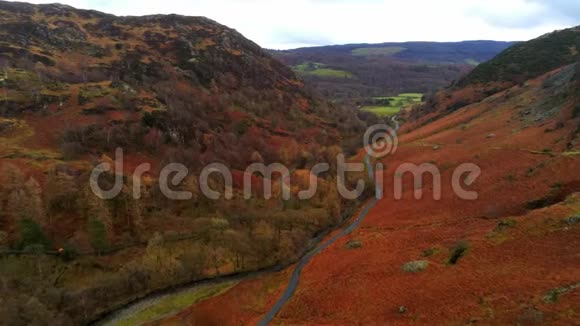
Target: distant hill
x=363, y=70
x=515, y=66
x=529, y=59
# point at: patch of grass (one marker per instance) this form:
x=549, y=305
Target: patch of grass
x=389, y=106
x=532, y=170
x=353, y=244
x=382, y=111
x=331, y=73
x=572, y=220
x=173, y=303
x=415, y=97
x=382, y=51
x=40, y=155
x=554, y=295
x=457, y=252
x=503, y=225
x=89, y=92
x=321, y=70
x=415, y=266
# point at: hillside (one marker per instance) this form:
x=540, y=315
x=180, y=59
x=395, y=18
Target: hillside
x=528, y=60
x=344, y=72
x=512, y=67
x=508, y=257
x=76, y=85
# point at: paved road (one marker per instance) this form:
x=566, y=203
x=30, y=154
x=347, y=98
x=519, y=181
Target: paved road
x=294, y=280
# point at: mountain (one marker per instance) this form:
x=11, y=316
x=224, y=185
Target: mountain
x=78, y=84
x=514, y=66
x=364, y=70
x=528, y=60
x=507, y=256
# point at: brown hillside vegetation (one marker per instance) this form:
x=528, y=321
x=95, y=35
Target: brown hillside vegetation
x=510, y=257
x=77, y=84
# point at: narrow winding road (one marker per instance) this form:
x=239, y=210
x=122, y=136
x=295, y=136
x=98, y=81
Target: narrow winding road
x=117, y=316
x=295, y=278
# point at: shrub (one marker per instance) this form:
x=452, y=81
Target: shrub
x=511, y=178
x=97, y=236
x=31, y=234
x=72, y=150
x=555, y=195
x=241, y=128
x=69, y=253
x=554, y=295
x=570, y=220
x=457, y=105
x=3, y=239
x=576, y=111
x=353, y=244
x=457, y=252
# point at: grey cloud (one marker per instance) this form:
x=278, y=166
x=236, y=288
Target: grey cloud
x=559, y=12
x=566, y=8
x=300, y=37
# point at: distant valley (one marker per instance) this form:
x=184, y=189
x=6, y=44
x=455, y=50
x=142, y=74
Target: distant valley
x=359, y=71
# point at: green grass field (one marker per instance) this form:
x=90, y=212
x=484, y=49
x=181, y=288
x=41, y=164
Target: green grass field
x=384, y=51
x=396, y=104
x=169, y=304
x=382, y=111
x=320, y=70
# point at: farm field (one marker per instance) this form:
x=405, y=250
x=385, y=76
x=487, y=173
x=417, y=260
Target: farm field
x=382, y=51
x=389, y=106
x=418, y=66
x=321, y=70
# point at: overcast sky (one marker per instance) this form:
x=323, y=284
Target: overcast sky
x=296, y=23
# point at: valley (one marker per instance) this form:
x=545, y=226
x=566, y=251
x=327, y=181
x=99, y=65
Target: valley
x=493, y=239
x=448, y=260
x=166, y=170
x=356, y=72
